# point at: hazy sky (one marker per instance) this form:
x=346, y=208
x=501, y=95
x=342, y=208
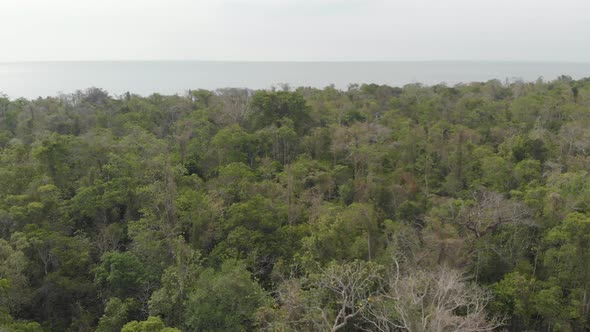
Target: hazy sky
x=283, y=30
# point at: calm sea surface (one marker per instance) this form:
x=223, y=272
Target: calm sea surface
x=36, y=79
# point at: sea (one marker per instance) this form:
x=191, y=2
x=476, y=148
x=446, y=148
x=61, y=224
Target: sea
x=41, y=79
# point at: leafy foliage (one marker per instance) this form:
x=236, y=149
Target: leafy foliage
x=373, y=208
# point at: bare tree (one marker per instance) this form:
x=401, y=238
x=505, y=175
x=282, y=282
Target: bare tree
x=357, y=294
x=575, y=138
x=338, y=295
x=233, y=105
x=490, y=210
x=433, y=301
x=352, y=284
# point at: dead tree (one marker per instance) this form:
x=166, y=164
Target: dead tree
x=430, y=301
x=490, y=210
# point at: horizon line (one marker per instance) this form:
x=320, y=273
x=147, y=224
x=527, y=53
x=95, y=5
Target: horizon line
x=297, y=61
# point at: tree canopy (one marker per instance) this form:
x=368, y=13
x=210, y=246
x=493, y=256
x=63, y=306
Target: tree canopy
x=415, y=208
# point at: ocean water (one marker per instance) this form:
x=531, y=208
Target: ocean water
x=35, y=79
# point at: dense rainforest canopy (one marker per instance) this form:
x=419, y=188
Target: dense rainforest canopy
x=422, y=208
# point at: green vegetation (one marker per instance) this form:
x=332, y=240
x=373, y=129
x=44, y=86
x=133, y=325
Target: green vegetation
x=420, y=208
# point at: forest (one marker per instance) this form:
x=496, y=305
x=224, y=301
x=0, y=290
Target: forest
x=372, y=208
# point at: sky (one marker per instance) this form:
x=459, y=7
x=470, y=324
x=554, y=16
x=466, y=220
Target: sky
x=295, y=30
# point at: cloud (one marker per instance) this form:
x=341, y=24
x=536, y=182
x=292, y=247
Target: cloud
x=294, y=29
x=300, y=7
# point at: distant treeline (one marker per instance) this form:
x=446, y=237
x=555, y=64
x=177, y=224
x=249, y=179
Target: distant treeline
x=376, y=208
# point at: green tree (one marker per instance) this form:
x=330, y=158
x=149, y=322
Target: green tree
x=224, y=300
x=116, y=314
x=152, y=324
x=121, y=274
x=567, y=258
x=271, y=106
